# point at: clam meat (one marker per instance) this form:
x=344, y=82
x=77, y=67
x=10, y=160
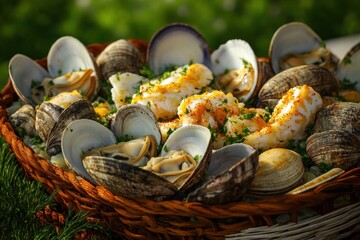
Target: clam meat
x=236, y=69
x=295, y=44
x=70, y=67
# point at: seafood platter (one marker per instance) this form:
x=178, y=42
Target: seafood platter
x=136, y=131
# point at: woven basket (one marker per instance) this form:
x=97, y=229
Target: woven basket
x=174, y=219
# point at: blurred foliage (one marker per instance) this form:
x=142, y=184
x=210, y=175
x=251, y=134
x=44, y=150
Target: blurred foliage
x=30, y=27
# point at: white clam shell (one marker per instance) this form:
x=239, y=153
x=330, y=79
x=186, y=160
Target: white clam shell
x=196, y=141
x=232, y=56
x=135, y=120
x=349, y=66
x=176, y=45
x=80, y=136
x=294, y=37
x=68, y=54
x=23, y=71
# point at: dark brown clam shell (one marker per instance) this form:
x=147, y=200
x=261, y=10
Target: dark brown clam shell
x=127, y=180
x=320, y=79
x=46, y=117
x=119, y=56
x=343, y=116
x=231, y=170
x=78, y=110
x=338, y=148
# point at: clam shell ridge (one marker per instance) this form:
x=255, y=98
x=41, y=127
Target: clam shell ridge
x=280, y=170
x=231, y=170
x=334, y=147
x=78, y=110
x=127, y=180
x=119, y=56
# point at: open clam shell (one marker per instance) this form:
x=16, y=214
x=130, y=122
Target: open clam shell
x=135, y=120
x=231, y=170
x=78, y=110
x=236, y=66
x=68, y=54
x=349, y=66
x=176, y=45
x=297, y=38
x=79, y=137
x=69, y=67
x=135, y=182
x=23, y=72
x=196, y=141
x=280, y=170
x=127, y=180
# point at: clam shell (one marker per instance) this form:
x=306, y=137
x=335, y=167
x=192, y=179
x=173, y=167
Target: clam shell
x=349, y=66
x=78, y=137
x=78, y=110
x=233, y=55
x=320, y=79
x=280, y=170
x=119, y=56
x=176, y=45
x=127, y=180
x=328, y=176
x=196, y=141
x=67, y=54
x=24, y=118
x=230, y=172
x=338, y=148
x=294, y=38
x=135, y=120
x=46, y=117
x=23, y=71
x=343, y=116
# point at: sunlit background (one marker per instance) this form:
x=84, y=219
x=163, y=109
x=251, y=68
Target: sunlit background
x=30, y=27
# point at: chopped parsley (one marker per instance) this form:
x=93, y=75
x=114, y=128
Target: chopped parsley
x=347, y=84
x=347, y=60
x=165, y=149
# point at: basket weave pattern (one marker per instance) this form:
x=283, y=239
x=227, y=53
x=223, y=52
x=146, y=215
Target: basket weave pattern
x=171, y=219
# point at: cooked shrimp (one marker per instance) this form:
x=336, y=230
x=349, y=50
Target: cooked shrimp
x=293, y=113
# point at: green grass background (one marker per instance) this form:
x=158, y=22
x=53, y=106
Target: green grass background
x=30, y=27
